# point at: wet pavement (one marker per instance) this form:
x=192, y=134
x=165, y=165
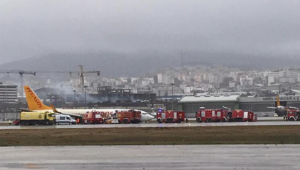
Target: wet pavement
x=145, y=125
x=206, y=157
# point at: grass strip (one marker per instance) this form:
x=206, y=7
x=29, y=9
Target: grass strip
x=152, y=136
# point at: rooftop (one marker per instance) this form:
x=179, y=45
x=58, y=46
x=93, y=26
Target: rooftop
x=232, y=98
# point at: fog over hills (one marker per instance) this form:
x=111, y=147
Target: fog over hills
x=137, y=64
x=133, y=37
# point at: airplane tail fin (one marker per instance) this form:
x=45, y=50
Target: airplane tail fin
x=277, y=99
x=33, y=101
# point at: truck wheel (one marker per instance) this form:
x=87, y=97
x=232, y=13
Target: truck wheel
x=199, y=120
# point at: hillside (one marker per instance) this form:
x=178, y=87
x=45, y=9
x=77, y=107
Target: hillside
x=113, y=64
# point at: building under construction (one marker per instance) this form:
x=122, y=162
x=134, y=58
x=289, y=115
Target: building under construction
x=105, y=95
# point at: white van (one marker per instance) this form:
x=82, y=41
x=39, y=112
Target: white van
x=61, y=119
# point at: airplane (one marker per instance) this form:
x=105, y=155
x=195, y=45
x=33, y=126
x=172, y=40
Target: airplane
x=35, y=104
x=281, y=110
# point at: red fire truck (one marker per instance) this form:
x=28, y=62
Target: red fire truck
x=211, y=115
x=136, y=116
x=242, y=116
x=292, y=115
x=92, y=118
x=130, y=116
x=170, y=116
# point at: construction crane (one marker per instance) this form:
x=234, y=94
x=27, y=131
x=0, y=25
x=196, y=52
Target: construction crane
x=21, y=73
x=81, y=74
x=22, y=79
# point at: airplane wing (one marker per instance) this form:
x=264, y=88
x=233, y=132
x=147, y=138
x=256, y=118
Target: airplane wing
x=72, y=115
x=56, y=111
x=291, y=107
x=24, y=110
x=296, y=91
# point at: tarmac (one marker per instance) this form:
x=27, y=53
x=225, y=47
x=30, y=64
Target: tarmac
x=157, y=125
x=183, y=157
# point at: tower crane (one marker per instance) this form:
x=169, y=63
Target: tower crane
x=22, y=79
x=81, y=74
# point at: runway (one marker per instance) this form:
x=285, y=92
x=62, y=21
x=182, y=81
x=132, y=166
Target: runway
x=224, y=157
x=159, y=125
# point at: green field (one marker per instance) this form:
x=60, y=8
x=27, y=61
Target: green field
x=152, y=136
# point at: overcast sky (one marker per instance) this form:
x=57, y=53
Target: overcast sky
x=35, y=28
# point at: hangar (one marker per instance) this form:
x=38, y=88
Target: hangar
x=191, y=104
x=259, y=105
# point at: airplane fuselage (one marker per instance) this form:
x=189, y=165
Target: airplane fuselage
x=106, y=113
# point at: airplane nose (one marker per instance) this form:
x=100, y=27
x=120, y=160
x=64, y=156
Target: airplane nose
x=150, y=117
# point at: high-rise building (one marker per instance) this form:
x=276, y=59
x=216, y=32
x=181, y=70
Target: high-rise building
x=8, y=93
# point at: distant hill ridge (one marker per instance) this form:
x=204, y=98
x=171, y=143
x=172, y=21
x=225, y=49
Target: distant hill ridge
x=114, y=64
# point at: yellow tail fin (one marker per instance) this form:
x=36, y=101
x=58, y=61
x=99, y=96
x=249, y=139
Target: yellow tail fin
x=33, y=101
x=278, y=101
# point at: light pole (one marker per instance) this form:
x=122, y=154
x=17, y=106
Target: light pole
x=149, y=94
x=172, y=84
x=74, y=91
x=85, y=94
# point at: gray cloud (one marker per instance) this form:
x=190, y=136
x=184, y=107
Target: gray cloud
x=35, y=28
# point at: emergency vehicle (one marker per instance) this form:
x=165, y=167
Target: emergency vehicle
x=130, y=116
x=292, y=115
x=92, y=117
x=211, y=115
x=170, y=116
x=241, y=116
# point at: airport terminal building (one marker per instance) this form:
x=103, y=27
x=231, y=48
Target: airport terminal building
x=259, y=105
